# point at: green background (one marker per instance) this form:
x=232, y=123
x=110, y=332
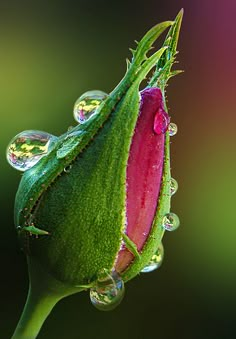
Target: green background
x=50, y=53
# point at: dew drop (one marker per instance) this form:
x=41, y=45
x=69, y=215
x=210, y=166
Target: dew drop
x=155, y=261
x=27, y=148
x=170, y=221
x=67, y=169
x=173, y=129
x=86, y=105
x=161, y=122
x=108, y=292
x=173, y=186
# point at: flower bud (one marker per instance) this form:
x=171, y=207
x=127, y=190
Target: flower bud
x=90, y=209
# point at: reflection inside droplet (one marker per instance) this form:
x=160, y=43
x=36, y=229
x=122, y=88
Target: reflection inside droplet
x=27, y=148
x=155, y=261
x=108, y=292
x=86, y=105
x=173, y=186
x=173, y=129
x=170, y=221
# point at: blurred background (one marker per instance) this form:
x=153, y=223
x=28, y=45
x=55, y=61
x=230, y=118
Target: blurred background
x=52, y=52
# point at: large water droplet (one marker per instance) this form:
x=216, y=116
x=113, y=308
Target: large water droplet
x=161, y=122
x=170, y=221
x=156, y=260
x=108, y=292
x=173, y=129
x=86, y=105
x=173, y=186
x=27, y=148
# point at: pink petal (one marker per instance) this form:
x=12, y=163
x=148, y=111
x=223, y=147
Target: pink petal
x=144, y=173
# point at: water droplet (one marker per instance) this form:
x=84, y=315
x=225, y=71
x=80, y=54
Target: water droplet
x=86, y=105
x=161, y=122
x=173, y=186
x=27, y=148
x=173, y=129
x=108, y=292
x=67, y=169
x=170, y=221
x=156, y=260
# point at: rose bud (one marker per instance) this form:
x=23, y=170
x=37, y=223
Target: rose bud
x=93, y=204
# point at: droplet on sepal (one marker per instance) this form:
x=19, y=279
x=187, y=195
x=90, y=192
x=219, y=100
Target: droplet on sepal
x=108, y=292
x=173, y=186
x=86, y=105
x=68, y=168
x=173, y=129
x=170, y=221
x=27, y=148
x=161, y=122
x=155, y=261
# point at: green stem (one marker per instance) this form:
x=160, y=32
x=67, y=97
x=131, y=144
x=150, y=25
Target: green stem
x=44, y=292
x=36, y=310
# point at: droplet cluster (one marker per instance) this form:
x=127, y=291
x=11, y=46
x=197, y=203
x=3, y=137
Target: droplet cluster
x=170, y=220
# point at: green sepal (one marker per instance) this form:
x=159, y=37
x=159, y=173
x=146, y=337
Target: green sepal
x=163, y=68
x=130, y=245
x=75, y=207
x=140, y=53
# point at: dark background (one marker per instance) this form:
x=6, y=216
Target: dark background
x=52, y=52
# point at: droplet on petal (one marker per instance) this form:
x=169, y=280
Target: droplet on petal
x=173, y=186
x=173, y=129
x=108, y=292
x=161, y=122
x=170, y=221
x=156, y=260
x=27, y=148
x=86, y=105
